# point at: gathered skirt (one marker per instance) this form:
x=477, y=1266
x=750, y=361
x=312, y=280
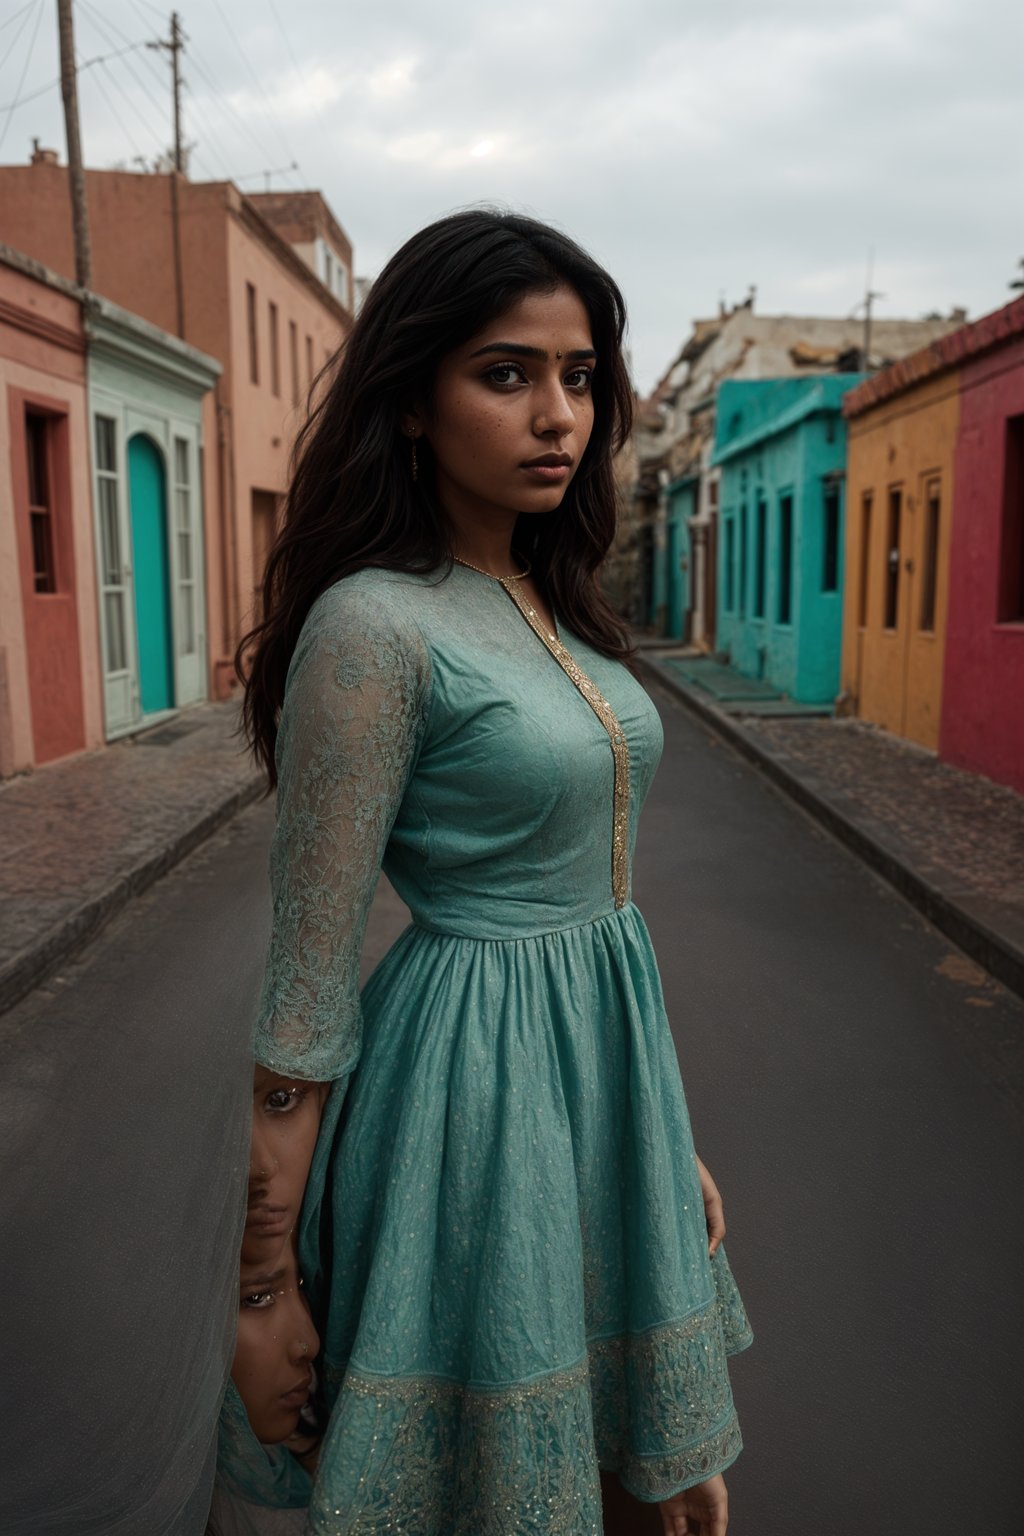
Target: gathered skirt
x=505, y=1244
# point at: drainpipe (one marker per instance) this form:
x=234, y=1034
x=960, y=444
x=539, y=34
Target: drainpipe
x=224, y=666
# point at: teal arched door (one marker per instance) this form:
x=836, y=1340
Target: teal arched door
x=147, y=489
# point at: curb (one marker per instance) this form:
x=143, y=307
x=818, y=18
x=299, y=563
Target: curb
x=72, y=933
x=995, y=954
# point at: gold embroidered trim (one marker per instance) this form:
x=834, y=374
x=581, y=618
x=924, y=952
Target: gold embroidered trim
x=432, y=1456
x=604, y=712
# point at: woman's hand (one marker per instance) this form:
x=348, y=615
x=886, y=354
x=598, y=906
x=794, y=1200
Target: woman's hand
x=714, y=1214
x=700, y=1511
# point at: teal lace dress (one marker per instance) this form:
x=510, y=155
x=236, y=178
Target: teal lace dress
x=503, y=1233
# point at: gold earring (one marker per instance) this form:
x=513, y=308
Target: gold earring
x=415, y=465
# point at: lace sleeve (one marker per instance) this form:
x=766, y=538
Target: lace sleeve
x=351, y=725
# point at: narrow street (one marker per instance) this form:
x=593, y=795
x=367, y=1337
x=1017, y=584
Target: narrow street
x=851, y=1081
x=854, y=1088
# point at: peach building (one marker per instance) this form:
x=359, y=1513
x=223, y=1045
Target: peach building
x=261, y=284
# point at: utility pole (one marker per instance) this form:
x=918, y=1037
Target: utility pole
x=76, y=174
x=174, y=48
x=869, y=298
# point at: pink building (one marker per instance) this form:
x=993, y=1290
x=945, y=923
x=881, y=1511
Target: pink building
x=262, y=285
x=102, y=560
x=49, y=647
x=982, y=724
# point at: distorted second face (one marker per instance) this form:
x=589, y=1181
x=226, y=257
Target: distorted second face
x=275, y=1347
x=285, y=1122
x=512, y=410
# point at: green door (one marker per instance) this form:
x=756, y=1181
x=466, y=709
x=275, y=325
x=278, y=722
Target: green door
x=147, y=489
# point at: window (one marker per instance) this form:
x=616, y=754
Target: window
x=785, y=604
x=760, y=556
x=930, y=556
x=341, y=284
x=892, y=558
x=112, y=572
x=730, y=563
x=40, y=500
x=1011, y=544
x=712, y=496
x=309, y=362
x=865, y=557
x=743, y=561
x=830, y=546
x=183, y=534
x=293, y=348
x=250, y=312
x=275, y=359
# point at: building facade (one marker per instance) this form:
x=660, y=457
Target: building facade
x=982, y=725
x=676, y=431
x=780, y=449
x=147, y=394
x=933, y=644
x=49, y=655
x=899, y=493
x=201, y=261
x=102, y=562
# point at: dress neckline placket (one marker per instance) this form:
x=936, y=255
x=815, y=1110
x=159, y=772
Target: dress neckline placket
x=589, y=691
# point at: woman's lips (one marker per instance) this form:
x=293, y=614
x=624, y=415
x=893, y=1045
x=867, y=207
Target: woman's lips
x=553, y=473
x=296, y=1397
x=269, y=1218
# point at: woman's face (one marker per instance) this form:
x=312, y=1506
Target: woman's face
x=285, y=1121
x=513, y=410
x=275, y=1348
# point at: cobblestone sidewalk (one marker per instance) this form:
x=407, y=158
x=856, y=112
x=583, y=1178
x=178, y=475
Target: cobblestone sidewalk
x=79, y=838
x=950, y=841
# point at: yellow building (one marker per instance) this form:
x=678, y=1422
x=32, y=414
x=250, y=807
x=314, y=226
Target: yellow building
x=902, y=427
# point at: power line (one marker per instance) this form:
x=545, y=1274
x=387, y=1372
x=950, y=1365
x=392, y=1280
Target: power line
x=159, y=14
x=12, y=19
x=9, y=106
x=17, y=36
x=125, y=133
x=129, y=101
x=24, y=72
x=225, y=106
x=97, y=22
x=255, y=78
x=86, y=64
x=299, y=75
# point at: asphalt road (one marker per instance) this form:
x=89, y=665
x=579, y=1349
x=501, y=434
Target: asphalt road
x=851, y=1082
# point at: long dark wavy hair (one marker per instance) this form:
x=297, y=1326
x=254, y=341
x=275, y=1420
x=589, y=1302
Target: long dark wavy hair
x=352, y=501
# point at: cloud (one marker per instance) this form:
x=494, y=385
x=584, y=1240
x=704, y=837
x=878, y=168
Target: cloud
x=695, y=150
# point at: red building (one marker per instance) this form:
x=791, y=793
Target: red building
x=982, y=724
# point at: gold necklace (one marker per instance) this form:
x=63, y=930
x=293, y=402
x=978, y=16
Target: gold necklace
x=519, y=575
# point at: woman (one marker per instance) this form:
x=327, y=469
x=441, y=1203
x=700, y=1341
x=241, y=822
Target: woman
x=267, y=1440
x=285, y=1121
x=512, y=1250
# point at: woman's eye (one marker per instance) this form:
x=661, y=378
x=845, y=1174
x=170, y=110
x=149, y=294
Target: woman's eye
x=580, y=378
x=255, y=1299
x=283, y=1099
x=505, y=374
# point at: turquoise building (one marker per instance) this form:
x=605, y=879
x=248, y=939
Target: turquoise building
x=780, y=445
x=674, y=569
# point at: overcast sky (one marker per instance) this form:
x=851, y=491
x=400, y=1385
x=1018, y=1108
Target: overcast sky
x=694, y=149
